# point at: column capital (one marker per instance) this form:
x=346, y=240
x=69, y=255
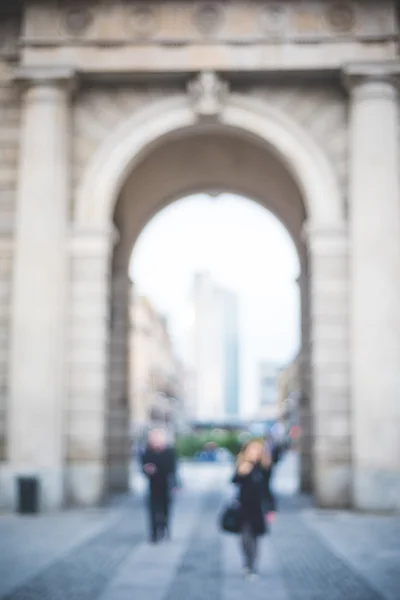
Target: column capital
x=53, y=76
x=372, y=80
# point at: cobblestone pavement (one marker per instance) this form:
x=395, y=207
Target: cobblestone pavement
x=104, y=555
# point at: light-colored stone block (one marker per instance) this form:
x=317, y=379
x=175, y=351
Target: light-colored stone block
x=376, y=489
x=85, y=483
x=332, y=423
x=333, y=484
x=118, y=476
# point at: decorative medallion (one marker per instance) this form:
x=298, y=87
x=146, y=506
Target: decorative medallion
x=208, y=18
x=274, y=18
x=207, y=94
x=142, y=21
x=340, y=17
x=77, y=19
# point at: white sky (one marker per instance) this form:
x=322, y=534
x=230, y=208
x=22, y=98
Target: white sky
x=247, y=250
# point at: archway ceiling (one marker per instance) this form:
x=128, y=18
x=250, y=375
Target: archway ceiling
x=199, y=162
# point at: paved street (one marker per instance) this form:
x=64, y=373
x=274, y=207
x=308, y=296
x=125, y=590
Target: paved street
x=103, y=554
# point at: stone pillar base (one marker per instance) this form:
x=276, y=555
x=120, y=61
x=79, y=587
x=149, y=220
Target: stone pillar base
x=376, y=490
x=118, y=476
x=85, y=484
x=332, y=489
x=306, y=473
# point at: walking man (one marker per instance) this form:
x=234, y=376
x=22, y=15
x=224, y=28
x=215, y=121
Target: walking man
x=159, y=466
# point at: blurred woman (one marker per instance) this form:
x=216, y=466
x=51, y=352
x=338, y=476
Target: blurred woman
x=252, y=477
x=159, y=465
x=273, y=449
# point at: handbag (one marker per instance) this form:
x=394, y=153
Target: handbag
x=231, y=518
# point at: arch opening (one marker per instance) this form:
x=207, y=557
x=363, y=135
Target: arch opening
x=138, y=135
x=238, y=253
x=178, y=167
x=164, y=152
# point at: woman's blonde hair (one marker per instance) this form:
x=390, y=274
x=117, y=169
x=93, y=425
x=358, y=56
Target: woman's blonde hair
x=265, y=455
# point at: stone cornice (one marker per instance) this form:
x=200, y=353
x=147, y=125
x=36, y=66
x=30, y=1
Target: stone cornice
x=374, y=74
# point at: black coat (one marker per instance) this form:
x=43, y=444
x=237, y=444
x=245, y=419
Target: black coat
x=165, y=476
x=255, y=498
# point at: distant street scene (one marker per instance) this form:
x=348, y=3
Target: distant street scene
x=104, y=554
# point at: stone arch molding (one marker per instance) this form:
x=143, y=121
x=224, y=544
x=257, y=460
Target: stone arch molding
x=125, y=145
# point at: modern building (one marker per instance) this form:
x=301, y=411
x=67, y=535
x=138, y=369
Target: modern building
x=215, y=351
x=109, y=110
x=229, y=314
x=289, y=393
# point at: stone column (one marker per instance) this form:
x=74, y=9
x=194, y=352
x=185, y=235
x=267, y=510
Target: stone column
x=305, y=393
x=87, y=413
x=37, y=375
x=374, y=204
x=119, y=422
x=329, y=298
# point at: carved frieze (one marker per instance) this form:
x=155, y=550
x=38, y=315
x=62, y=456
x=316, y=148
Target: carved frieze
x=237, y=21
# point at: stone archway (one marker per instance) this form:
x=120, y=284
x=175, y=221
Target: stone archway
x=123, y=148
x=118, y=165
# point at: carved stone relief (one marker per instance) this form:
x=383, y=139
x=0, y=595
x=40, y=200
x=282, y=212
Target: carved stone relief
x=77, y=19
x=208, y=18
x=275, y=19
x=207, y=93
x=142, y=21
x=340, y=17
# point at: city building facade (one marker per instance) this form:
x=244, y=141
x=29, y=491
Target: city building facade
x=155, y=375
x=229, y=314
x=110, y=110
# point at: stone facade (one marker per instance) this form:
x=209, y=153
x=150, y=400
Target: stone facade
x=110, y=111
x=155, y=390
x=97, y=111
x=9, y=144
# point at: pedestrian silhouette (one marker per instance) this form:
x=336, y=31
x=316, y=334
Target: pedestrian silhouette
x=252, y=478
x=159, y=466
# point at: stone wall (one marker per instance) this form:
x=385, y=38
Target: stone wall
x=321, y=109
x=9, y=141
x=97, y=111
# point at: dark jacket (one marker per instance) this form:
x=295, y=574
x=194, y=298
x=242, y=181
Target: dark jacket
x=165, y=476
x=254, y=497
